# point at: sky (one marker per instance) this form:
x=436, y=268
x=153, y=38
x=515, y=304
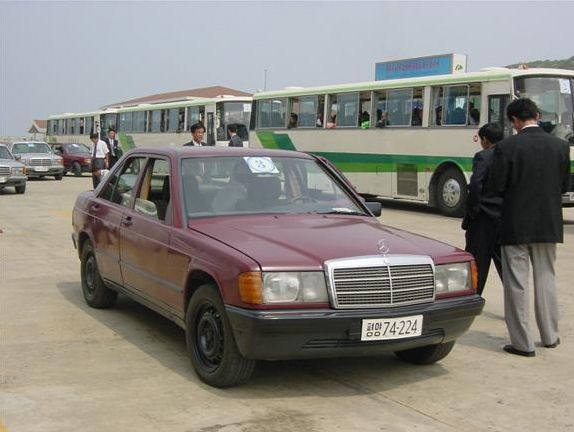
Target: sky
x=75, y=56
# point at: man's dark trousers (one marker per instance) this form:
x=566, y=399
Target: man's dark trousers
x=482, y=240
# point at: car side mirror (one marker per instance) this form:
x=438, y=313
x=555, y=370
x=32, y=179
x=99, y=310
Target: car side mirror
x=374, y=207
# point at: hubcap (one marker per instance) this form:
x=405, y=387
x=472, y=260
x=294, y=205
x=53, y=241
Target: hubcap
x=451, y=193
x=90, y=273
x=209, y=337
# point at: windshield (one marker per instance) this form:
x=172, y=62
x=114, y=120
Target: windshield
x=250, y=185
x=553, y=95
x=4, y=153
x=76, y=148
x=233, y=113
x=21, y=148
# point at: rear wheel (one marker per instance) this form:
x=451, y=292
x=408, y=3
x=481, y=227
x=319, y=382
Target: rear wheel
x=451, y=193
x=427, y=354
x=20, y=189
x=96, y=293
x=210, y=341
x=77, y=169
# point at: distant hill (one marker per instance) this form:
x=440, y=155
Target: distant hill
x=556, y=64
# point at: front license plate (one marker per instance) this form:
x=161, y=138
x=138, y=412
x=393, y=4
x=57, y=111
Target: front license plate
x=41, y=169
x=392, y=328
x=2, y=179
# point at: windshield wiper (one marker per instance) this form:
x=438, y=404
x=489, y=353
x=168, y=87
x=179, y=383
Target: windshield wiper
x=345, y=212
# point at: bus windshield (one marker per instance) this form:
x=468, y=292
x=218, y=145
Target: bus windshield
x=233, y=113
x=553, y=95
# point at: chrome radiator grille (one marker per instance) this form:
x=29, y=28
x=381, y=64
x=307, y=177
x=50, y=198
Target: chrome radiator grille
x=377, y=282
x=40, y=162
x=4, y=171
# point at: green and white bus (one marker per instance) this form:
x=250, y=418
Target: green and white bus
x=157, y=124
x=409, y=139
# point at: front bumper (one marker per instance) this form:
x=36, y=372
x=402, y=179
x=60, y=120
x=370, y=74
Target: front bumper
x=39, y=171
x=12, y=180
x=284, y=335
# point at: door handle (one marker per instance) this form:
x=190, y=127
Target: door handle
x=127, y=221
x=95, y=207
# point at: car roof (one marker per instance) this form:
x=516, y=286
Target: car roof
x=212, y=151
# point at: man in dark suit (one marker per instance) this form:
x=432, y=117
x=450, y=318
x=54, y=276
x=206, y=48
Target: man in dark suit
x=197, y=132
x=482, y=218
x=113, y=147
x=530, y=170
x=235, y=140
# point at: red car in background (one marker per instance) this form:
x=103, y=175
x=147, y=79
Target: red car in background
x=77, y=157
x=267, y=255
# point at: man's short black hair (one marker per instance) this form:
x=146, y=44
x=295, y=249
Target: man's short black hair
x=492, y=132
x=93, y=135
x=111, y=129
x=197, y=126
x=232, y=128
x=523, y=109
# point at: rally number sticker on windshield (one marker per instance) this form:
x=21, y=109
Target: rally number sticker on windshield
x=261, y=165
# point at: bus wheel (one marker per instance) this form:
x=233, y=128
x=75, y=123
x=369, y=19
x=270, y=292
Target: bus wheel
x=451, y=193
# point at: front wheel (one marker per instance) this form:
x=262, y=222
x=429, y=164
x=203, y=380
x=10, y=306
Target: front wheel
x=59, y=176
x=451, y=193
x=427, y=354
x=20, y=189
x=96, y=293
x=210, y=341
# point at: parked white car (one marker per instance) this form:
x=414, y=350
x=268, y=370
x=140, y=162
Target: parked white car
x=39, y=159
x=12, y=172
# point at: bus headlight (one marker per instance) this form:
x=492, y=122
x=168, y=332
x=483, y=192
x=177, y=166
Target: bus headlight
x=453, y=278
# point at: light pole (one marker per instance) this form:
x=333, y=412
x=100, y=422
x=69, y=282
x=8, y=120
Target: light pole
x=265, y=81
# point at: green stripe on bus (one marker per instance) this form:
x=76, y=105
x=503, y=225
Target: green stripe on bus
x=367, y=162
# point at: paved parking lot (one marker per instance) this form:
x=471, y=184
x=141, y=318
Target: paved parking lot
x=66, y=367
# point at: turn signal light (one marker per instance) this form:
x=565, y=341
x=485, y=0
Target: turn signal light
x=250, y=285
x=474, y=275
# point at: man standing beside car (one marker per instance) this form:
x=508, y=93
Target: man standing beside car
x=100, y=158
x=531, y=171
x=114, y=149
x=482, y=218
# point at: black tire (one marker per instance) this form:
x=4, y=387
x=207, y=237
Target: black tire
x=451, y=193
x=427, y=354
x=77, y=169
x=210, y=341
x=59, y=176
x=20, y=189
x=96, y=293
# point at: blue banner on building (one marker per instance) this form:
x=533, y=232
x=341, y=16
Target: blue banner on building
x=422, y=66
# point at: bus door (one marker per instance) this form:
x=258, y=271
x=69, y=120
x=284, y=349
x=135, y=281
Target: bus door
x=497, y=112
x=210, y=128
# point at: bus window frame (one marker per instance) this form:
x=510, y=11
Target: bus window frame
x=358, y=105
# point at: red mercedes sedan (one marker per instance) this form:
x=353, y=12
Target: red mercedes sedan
x=267, y=255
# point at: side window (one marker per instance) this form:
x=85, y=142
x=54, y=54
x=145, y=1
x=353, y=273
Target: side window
x=474, y=104
x=347, y=110
x=119, y=187
x=380, y=109
x=455, y=109
x=399, y=107
x=154, y=198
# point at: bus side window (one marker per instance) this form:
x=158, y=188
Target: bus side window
x=380, y=109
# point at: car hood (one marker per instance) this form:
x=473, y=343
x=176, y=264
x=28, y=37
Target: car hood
x=304, y=242
x=11, y=163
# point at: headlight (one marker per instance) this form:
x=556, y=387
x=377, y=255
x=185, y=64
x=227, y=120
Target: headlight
x=60, y=161
x=18, y=170
x=283, y=287
x=87, y=161
x=450, y=278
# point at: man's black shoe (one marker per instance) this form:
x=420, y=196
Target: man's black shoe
x=553, y=345
x=511, y=350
